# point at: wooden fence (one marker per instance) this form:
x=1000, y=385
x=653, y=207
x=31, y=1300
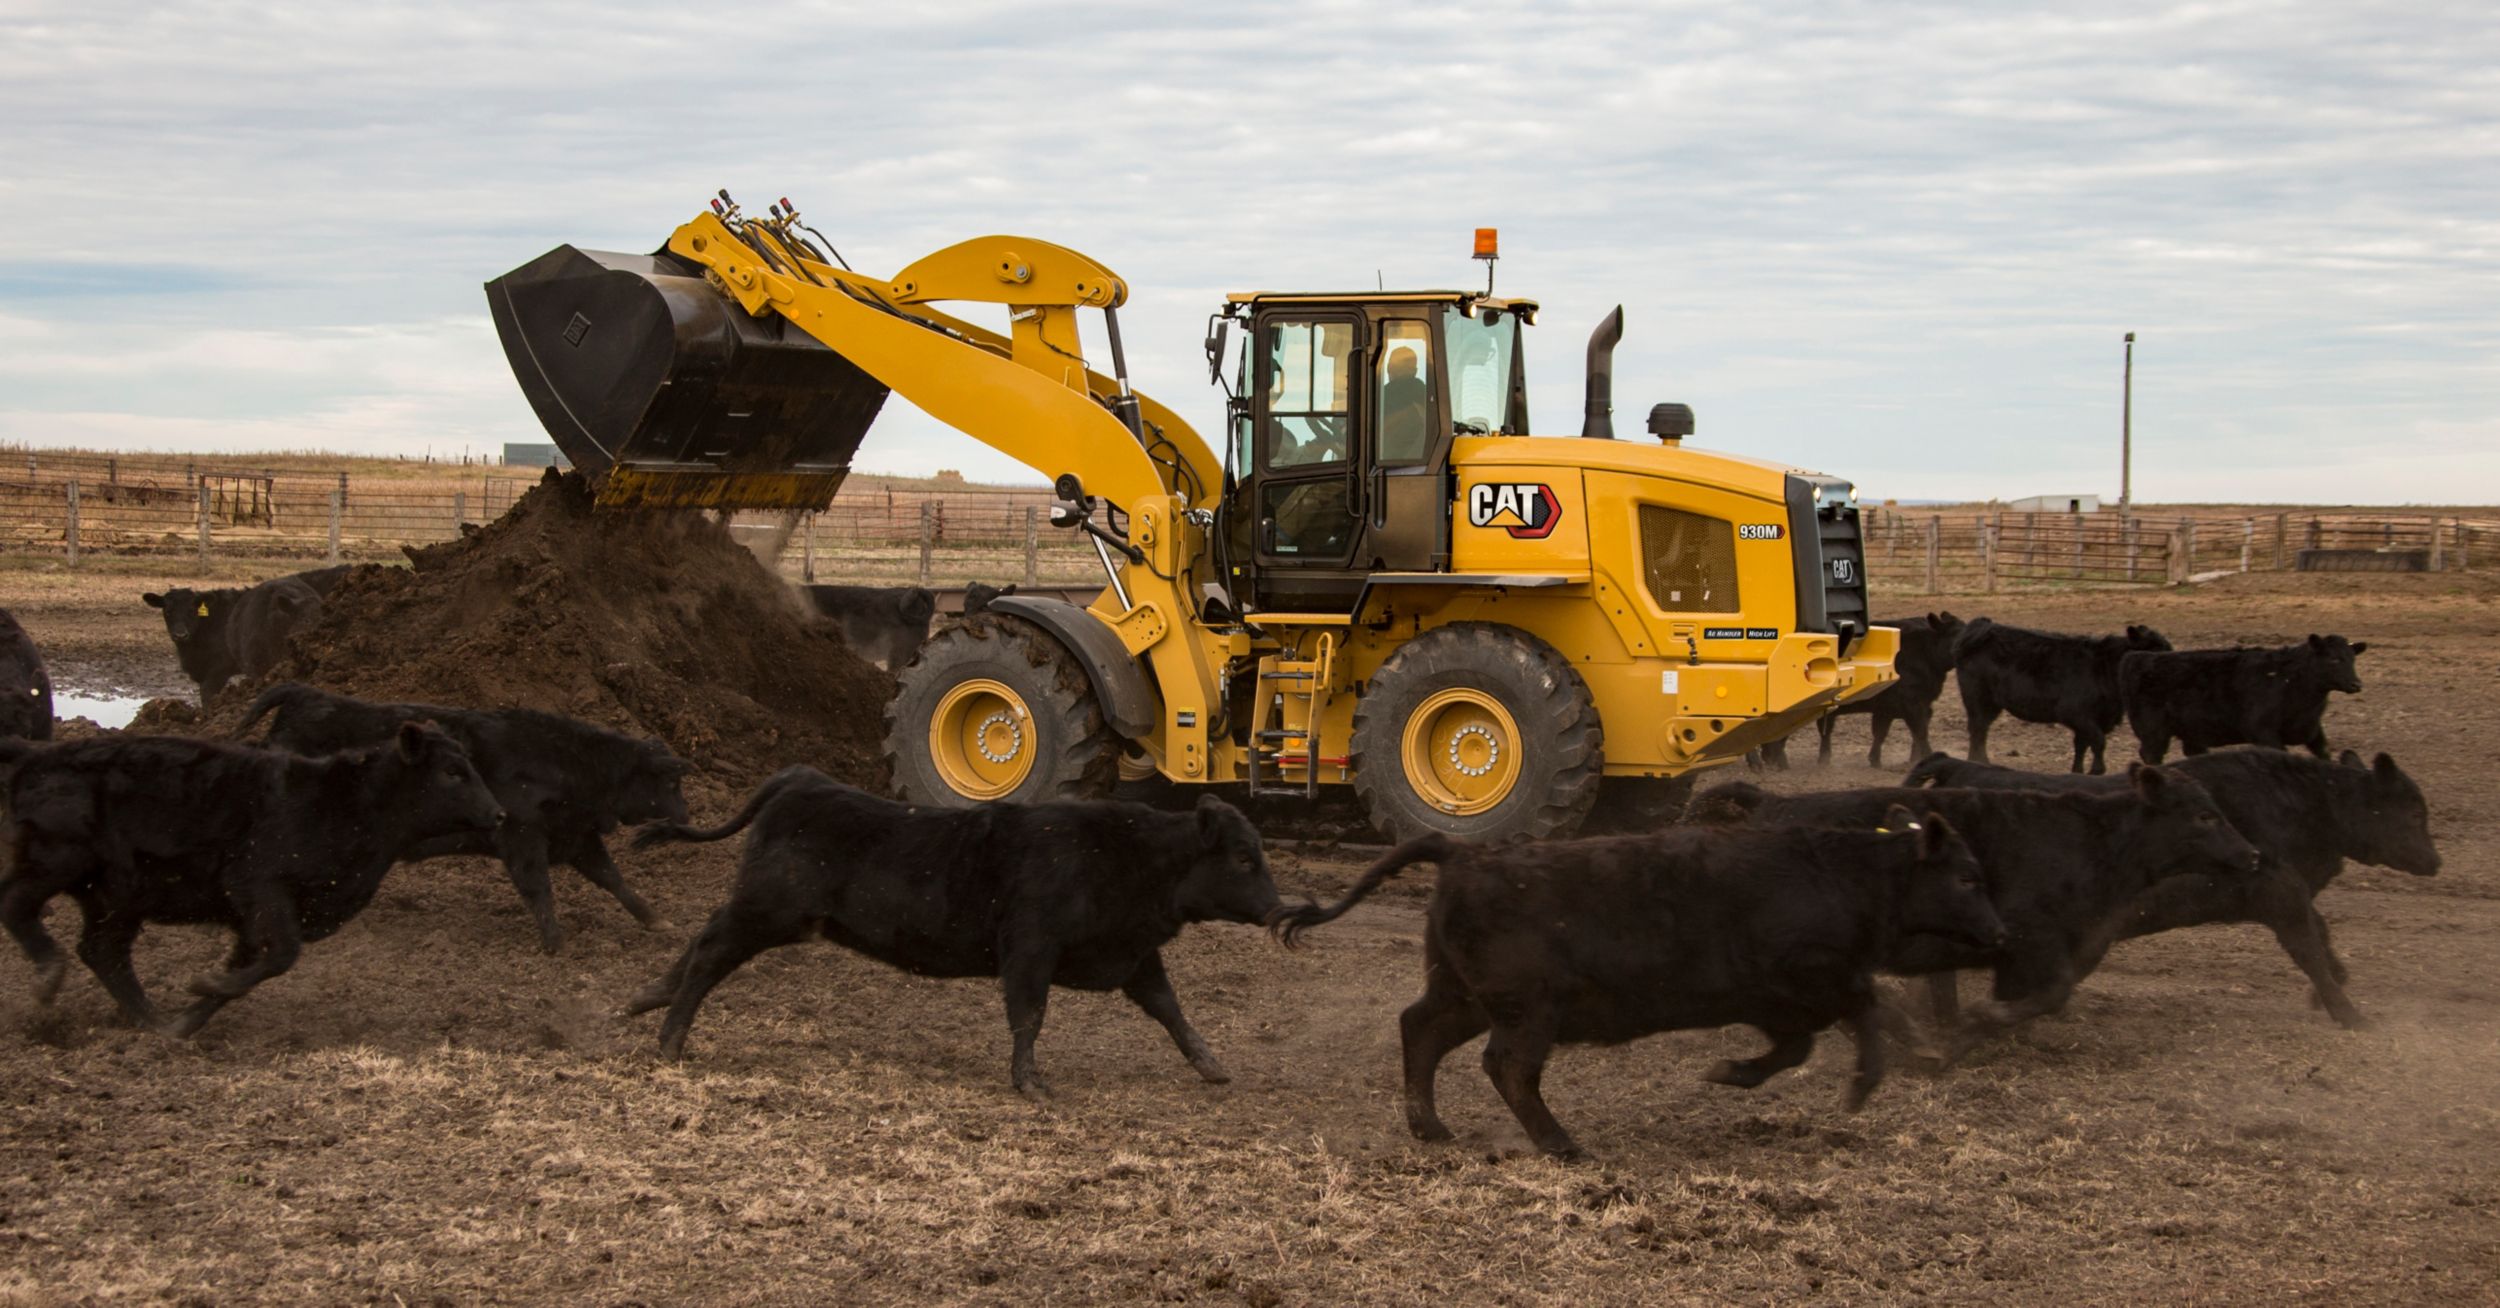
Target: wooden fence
x=1979, y=551
x=74, y=504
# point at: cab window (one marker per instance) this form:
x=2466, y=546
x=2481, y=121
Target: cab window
x=1404, y=392
x=1308, y=369
x=1689, y=561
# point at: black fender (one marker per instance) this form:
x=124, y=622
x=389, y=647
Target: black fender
x=1121, y=685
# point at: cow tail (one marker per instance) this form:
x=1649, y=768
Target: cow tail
x=680, y=833
x=1930, y=770
x=1434, y=848
x=276, y=697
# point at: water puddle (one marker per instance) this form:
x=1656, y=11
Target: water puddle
x=105, y=710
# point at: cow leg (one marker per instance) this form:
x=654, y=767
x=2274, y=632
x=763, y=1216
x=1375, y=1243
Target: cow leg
x=1428, y=1030
x=2326, y=941
x=1944, y=1000
x=590, y=858
x=1981, y=717
x=1866, y=1025
x=1024, y=976
x=21, y=911
x=1151, y=990
x=2096, y=741
x=1788, y=1048
x=525, y=862
x=2025, y=988
x=1918, y=716
x=1881, y=725
x=267, y=945
x=732, y=936
x=2317, y=743
x=1514, y=1060
x=104, y=946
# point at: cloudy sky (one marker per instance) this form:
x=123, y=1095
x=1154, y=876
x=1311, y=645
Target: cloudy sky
x=1900, y=243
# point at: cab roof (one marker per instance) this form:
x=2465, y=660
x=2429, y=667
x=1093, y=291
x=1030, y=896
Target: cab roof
x=1526, y=309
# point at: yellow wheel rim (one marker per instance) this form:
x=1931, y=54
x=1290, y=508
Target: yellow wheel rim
x=1461, y=751
x=981, y=739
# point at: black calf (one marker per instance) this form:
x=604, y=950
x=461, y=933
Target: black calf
x=2039, y=676
x=1607, y=940
x=2304, y=815
x=563, y=784
x=282, y=850
x=1082, y=895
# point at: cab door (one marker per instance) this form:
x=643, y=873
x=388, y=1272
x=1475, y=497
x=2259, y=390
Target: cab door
x=1306, y=435
x=1407, y=507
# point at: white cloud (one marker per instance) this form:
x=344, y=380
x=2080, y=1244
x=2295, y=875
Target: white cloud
x=1894, y=242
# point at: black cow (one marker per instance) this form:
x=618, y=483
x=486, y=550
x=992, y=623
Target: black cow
x=1082, y=895
x=2304, y=815
x=25, y=688
x=2209, y=697
x=562, y=783
x=281, y=849
x=1606, y=940
x=977, y=595
x=884, y=624
x=220, y=635
x=2040, y=676
x=1926, y=656
x=2061, y=867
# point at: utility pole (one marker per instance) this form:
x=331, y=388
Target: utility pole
x=2126, y=435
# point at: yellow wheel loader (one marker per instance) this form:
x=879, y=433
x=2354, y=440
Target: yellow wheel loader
x=1384, y=580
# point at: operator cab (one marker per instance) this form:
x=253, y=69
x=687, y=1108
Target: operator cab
x=1342, y=417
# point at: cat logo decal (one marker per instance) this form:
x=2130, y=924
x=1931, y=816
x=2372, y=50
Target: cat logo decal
x=1525, y=509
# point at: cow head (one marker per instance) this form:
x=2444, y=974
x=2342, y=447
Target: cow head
x=2145, y=638
x=438, y=790
x=653, y=788
x=2393, y=828
x=1946, y=894
x=1948, y=629
x=2333, y=658
x=1228, y=881
x=2183, y=832
x=188, y=613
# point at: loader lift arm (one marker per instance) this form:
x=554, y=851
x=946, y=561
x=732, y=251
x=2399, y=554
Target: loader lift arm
x=1028, y=394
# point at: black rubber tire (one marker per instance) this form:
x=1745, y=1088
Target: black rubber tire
x=1076, y=754
x=1562, y=744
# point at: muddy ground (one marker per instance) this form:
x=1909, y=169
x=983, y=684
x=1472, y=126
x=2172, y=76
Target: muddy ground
x=428, y=1110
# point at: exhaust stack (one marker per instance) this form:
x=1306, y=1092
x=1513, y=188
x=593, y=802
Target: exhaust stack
x=1599, y=422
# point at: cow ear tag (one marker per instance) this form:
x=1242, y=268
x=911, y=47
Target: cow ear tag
x=203, y=608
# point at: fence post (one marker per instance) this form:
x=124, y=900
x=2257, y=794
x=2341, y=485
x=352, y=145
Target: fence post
x=69, y=524
x=459, y=511
x=2282, y=530
x=928, y=536
x=807, y=549
x=113, y=471
x=1935, y=533
x=201, y=493
x=338, y=503
x=1032, y=544
x=2315, y=532
x=2082, y=527
x=2438, y=538
x=2248, y=541
x=1988, y=540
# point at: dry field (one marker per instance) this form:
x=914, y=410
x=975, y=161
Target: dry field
x=428, y=1110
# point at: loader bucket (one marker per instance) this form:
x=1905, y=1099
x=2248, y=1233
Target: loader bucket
x=667, y=394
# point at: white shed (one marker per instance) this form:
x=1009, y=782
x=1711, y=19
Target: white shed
x=2056, y=504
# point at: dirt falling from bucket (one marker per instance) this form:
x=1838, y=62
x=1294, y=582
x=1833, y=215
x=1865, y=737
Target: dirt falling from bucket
x=654, y=623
